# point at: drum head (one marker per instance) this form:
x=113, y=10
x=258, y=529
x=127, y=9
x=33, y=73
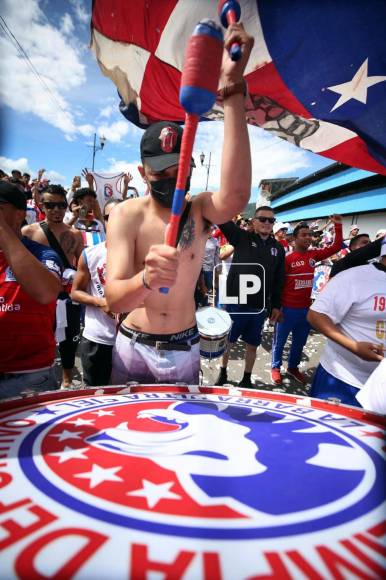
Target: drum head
x=193, y=482
x=213, y=322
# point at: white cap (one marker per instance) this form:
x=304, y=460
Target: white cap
x=279, y=226
x=381, y=233
x=354, y=227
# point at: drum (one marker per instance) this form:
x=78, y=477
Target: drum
x=191, y=482
x=214, y=326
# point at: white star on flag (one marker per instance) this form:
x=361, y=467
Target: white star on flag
x=357, y=87
x=154, y=492
x=100, y=474
x=80, y=422
x=101, y=413
x=63, y=435
x=70, y=453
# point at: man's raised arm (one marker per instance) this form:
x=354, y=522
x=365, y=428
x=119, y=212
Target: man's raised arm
x=236, y=169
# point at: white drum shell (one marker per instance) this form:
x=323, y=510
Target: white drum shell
x=214, y=326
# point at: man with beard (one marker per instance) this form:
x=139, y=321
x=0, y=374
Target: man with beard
x=68, y=243
x=158, y=339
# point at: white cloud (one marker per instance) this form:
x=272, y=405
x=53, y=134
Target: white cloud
x=55, y=57
x=67, y=25
x=54, y=176
x=271, y=156
x=22, y=164
x=108, y=111
x=80, y=11
x=115, y=131
x=86, y=130
x=7, y=164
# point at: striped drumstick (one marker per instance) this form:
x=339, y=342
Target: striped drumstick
x=199, y=82
x=229, y=12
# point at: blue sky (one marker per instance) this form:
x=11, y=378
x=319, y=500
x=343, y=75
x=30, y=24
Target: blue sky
x=51, y=123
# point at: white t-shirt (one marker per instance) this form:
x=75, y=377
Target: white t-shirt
x=98, y=326
x=211, y=256
x=355, y=300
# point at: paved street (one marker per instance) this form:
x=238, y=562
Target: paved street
x=261, y=371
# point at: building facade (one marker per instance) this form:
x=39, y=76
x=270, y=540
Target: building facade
x=358, y=195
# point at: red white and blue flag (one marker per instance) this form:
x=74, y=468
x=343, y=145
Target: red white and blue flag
x=316, y=75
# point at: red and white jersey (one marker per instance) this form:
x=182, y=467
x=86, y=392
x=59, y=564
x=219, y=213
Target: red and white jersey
x=299, y=272
x=27, y=340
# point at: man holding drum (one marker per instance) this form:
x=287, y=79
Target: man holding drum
x=158, y=340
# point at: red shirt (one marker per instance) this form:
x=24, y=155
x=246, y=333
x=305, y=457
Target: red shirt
x=27, y=339
x=222, y=241
x=299, y=272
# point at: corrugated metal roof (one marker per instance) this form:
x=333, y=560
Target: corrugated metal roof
x=323, y=184
x=364, y=201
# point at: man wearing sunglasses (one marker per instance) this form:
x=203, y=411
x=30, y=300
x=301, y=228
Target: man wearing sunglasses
x=251, y=248
x=68, y=243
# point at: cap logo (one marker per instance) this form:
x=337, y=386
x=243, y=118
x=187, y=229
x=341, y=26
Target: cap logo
x=168, y=138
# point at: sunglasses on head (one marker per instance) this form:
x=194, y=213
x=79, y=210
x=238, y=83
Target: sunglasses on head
x=53, y=204
x=263, y=219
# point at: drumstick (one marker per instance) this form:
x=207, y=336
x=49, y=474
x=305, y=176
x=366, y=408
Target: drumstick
x=229, y=12
x=199, y=82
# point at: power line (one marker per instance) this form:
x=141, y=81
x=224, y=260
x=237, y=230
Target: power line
x=23, y=53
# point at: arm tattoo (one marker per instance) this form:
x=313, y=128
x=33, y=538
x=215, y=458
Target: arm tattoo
x=68, y=243
x=188, y=234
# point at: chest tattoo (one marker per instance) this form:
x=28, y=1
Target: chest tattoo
x=188, y=234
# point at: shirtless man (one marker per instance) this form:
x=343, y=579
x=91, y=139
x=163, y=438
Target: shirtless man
x=54, y=203
x=158, y=340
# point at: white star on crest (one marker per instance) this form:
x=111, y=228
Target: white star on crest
x=67, y=435
x=100, y=474
x=356, y=88
x=70, y=453
x=154, y=492
x=101, y=413
x=80, y=422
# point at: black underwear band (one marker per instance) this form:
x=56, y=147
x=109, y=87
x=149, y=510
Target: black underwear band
x=190, y=335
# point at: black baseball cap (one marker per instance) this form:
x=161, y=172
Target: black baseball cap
x=12, y=194
x=161, y=145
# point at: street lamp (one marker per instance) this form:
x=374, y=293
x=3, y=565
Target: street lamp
x=95, y=148
x=207, y=165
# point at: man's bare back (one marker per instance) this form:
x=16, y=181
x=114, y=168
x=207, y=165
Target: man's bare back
x=172, y=312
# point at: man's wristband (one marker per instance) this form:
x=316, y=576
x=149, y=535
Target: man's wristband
x=144, y=281
x=233, y=89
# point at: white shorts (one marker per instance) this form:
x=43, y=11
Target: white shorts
x=133, y=361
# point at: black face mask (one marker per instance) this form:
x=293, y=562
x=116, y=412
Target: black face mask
x=162, y=190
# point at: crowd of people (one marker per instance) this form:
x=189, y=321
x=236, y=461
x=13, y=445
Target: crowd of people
x=131, y=301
